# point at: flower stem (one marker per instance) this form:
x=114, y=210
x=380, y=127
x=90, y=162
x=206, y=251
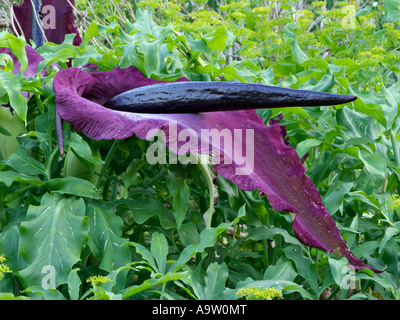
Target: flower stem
x=107, y=162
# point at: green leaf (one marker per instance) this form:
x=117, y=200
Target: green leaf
x=16, y=45
x=96, y=29
x=82, y=150
x=392, y=10
x=53, y=236
x=303, y=267
x=261, y=233
x=298, y=54
x=146, y=254
x=282, y=270
x=74, y=283
x=151, y=283
x=8, y=177
x=22, y=162
x=221, y=39
x=389, y=234
x=358, y=125
x=180, y=192
x=304, y=146
x=373, y=162
x=334, y=197
x=10, y=296
x=144, y=208
x=105, y=236
x=159, y=250
x=39, y=293
x=340, y=269
x=215, y=280
x=208, y=237
x=73, y=186
x=11, y=84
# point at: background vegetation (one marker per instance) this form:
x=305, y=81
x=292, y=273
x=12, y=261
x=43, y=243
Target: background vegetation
x=140, y=232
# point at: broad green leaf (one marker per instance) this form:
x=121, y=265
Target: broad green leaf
x=304, y=146
x=151, y=283
x=188, y=234
x=221, y=39
x=105, y=236
x=335, y=195
x=8, y=177
x=215, y=280
x=40, y=293
x=352, y=66
x=95, y=29
x=373, y=162
x=389, y=234
x=208, y=237
x=281, y=271
x=389, y=109
x=10, y=296
x=261, y=233
x=11, y=127
x=341, y=272
x=146, y=254
x=303, y=266
x=370, y=108
x=298, y=54
x=74, y=284
x=73, y=186
x=81, y=149
x=12, y=86
x=131, y=176
x=180, y=193
x=145, y=25
x=52, y=239
x=159, y=250
x=143, y=209
x=392, y=10
x=359, y=125
x=22, y=162
x=16, y=45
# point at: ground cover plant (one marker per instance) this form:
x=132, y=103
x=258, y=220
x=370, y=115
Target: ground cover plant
x=96, y=219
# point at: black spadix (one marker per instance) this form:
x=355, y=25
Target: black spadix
x=195, y=97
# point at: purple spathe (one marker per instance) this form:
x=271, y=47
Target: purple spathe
x=277, y=172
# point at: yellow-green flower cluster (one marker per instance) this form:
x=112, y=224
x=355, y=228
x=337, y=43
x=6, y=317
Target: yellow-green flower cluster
x=3, y=268
x=394, y=202
x=256, y=293
x=376, y=53
x=318, y=3
x=235, y=6
x=97, y=281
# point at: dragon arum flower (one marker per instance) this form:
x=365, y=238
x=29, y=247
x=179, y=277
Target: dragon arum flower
x=120, y=103
x=103, y=105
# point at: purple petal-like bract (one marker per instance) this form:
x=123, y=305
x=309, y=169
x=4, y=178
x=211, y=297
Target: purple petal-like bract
x=277, y=170
x=56, y=27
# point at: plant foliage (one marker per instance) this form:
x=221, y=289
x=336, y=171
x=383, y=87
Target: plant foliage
x=103, y=223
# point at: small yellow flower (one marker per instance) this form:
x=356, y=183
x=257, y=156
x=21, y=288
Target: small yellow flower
x=2, y=258
x=256, y=293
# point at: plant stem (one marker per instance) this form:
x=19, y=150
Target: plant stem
x=395, y=148
x=265, y=249
x=107, y=162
